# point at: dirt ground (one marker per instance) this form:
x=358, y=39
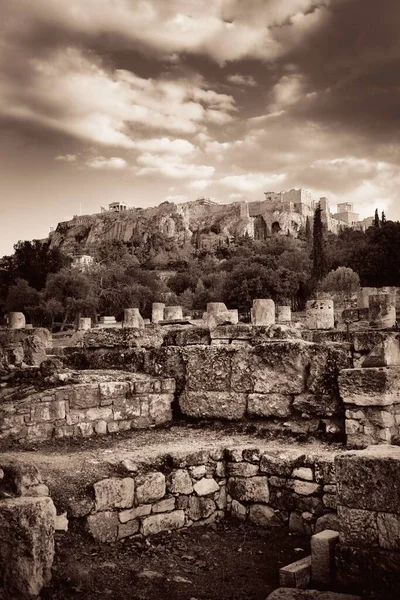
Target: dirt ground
x=223, y=561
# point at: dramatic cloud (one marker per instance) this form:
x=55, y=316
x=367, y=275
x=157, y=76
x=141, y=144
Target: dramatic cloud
x=172, y=167
x=99, y=162
x=237, y=79
x=66, y=157
x=251, y=182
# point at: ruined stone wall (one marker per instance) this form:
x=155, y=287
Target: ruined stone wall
x=270, y=489
x=103, y=404
x=26, y=345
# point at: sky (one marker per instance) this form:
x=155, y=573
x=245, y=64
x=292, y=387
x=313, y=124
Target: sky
x=144, y=101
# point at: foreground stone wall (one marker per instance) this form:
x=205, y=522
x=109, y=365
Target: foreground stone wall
x=193, y=488
x=104, y=403
x=368, y=496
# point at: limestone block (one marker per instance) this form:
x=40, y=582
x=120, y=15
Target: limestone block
x=84, y=396
x=157, y=312
x=189, y=459
x=205, y=486
x=242, y=469
x=384, y=354
x=238, y=511
x=163, y=522
x=180, y=482
x=357, y=476
x=388, y=531
x=283, y=314
x=134, y=513
x=370, y=387
x=103, y=527
x=61, y=522
x=303, y=488
x=200, y=508
x=357, y=526
x=323, y=556
x=84, y=323
x=303, y=473
x=198, y=471
x=227, y=317
x=16, y=320
x=173, y=313
x=320, y=314
x=160, y=410
x=363, y=295
x=327, y=521
x=208, y=368
x=150, y=487
x=214, y=308
x=297, y=574
x=264, y=516
x=112, y=390
x=281, y=463
x=125, y=408
x=263, y=312
x=269, y=405
x=252, y=489
x=213, y=405
x=133, y=318
x=127, y=529
x=114, y=493
x=163, y=506
x=382, y=311
x=79, y=507
x=26, y=546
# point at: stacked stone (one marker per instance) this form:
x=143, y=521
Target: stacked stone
x=368, y=555
x=320, y=314
x=87, y=409
x=263, y=312
x=268, y=489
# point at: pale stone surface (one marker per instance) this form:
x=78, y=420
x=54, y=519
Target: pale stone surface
x=384, y=354
x=127, y=529
x=204, y=487
x=297, y=594
x=163, y=505
x=303, y=488
x=200, y=508
x=214, y=308
x=103, y=526
x=269, y=405
x=157, y=312
x=252, y=489
x=320, y=314
x=133, y=318
x=238, y=511
x=198, y=471
x=163, y=522
x=283, y=314
x=150, y=487
x=114, y=493
x=323, y=556
x=263, y=312
x=26, y=546
x=374, y=386
x=303, y=473
x=264, y=516
x=209, y=404
x=134, y=513
x=84, y=323
x=61, y=522
x=242, y=469
x=382, y=311
x=297, y=574
x=180, y=482
x=16, y=320
x=173, y=313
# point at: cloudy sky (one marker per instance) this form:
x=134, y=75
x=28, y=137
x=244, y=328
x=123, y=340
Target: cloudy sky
x=152, y=100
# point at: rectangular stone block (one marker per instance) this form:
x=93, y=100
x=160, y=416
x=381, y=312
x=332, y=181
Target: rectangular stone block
x=125, y=408
x=365, y=479
x=388, y=531
x=357, y=527
x=297, y=574
x=269, y=405
x=375, y=386
x=323, y=556
x=159, y=408
x=85, y=396
x=213, y=405
x=114, y=493
x=163, y=522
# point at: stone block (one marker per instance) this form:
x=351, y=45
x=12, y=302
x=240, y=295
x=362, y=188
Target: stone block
x=264, y=516
x=84, y=396
x=207, y=368
x=357, y=526
x=213, y=405
x=388, y=531
x=242, y=469
x=26, y=546
x=365, y=479
x=127, y=529
x=163, y=506
x=320, y=314
x=133, y=319
x=375, y=386
x=204, y=487
x=323, y=556
x=163, y=522
x=297, y=594
x=160, y=410
x=303, y=473
x=180, y=482
x=382, y=310
x=269, y=405
x=238, y=511
x=114, y=493
x=103, y=413
x=125, y=408
x=103, y=527
x=327, y=521
x=252, y=489
x=150, y=487
x=197, y=472
x=134, y=513
x=281, y=463
x=384, y=354
x=200, y=508
x=297, y=574
x=263, y=312
x=304, y=488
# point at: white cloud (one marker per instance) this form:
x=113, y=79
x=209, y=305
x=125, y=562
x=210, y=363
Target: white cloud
x=287, y=91
x=238, y=79
x=177, y=198
x=200, y=184
x=66, y=157
x=172, y=167
x=251, y=182
x=165, y=145
x=114, y=163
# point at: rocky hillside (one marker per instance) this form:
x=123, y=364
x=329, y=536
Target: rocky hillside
x=168, y=227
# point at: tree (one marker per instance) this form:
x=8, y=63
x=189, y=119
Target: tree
x=383, y=219
x=376, y=219
x=308, y=231
x=343, y=281
x=22, y=297
x=318, y=250
x=34, y=261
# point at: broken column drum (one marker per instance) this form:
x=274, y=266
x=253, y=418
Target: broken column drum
x=133, y=318
x=215, y=308
x=263, y=312
x=363, y=295
x=157, y=312
x=320, y=314
x=283, y=314
x=16, y=320
x=173, y=313
x=84, y=323
x=382, y=311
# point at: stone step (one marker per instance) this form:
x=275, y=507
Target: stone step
x=297, y=574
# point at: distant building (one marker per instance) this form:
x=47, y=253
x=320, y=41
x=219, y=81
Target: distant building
x=82, y=261
x=117, y=207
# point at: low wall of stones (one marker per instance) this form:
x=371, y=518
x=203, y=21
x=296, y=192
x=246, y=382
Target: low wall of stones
x=189, y=489
x=368, y=505
x=98, y=403
x=18, y=346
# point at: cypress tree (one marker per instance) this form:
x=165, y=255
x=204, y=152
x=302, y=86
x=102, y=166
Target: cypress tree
x=308, y=231
x=383, y=219
x=318, y=251
x=376, y=219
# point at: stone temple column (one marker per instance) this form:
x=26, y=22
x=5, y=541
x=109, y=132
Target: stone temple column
x=173, y=313
x=320, y=314
x=283, y=314
x=157, y=312
x=263, y=312
x=84, y=323
x=132, y=318
x=382, y=311
x=16, y=320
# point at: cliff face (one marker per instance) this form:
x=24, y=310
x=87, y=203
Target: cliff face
x=201, y=223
